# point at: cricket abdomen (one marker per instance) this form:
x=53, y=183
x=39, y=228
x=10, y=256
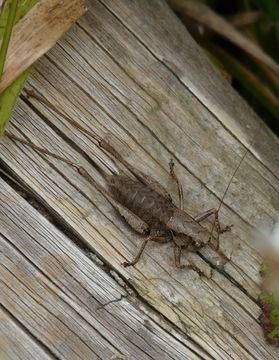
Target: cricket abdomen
x=143, y=201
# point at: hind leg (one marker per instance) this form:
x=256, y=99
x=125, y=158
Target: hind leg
x=179, y=187
x=144, y=178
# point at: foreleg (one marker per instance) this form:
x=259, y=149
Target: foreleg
x=216, y=223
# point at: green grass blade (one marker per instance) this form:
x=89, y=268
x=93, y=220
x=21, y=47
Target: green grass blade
x=8, y=99
x=7, y=34
x=12, y=12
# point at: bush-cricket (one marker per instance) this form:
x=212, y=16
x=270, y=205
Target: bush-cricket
x=145, y=204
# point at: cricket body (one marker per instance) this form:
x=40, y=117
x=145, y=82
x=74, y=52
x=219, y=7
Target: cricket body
x=164, y=220
x=151, y=211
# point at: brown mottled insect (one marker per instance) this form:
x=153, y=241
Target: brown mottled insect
x=146, y=205
x=152, y=212
x=148, y=208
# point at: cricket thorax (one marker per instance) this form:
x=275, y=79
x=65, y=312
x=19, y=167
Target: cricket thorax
x=182, y=223
x=143, y=201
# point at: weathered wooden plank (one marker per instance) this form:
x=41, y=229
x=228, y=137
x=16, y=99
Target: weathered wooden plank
x=15, y=344
x=180, y=54
x=113, y=75
x=66, y=301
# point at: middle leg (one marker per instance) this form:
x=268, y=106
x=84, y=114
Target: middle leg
x=155, y=235
x=214, y=212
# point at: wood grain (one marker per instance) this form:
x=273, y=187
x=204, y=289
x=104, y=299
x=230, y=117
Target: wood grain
x=68, y=303
x=15, y=343
x=137, y=79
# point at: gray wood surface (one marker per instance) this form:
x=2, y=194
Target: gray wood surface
x=129, y=72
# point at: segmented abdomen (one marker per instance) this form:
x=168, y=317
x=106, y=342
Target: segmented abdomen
x=143, y=201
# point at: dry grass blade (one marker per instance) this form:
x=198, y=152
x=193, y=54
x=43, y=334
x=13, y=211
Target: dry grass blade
x=244, y=18
x=36, y=33
x=203, y=14
x=251, y=77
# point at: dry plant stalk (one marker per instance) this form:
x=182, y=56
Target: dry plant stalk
x=204, y=15
x=37, y=32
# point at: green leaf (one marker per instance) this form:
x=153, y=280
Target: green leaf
x=8, y=99
x=7, y=34
x=12, y=12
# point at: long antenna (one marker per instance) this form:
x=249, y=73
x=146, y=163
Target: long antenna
x=231, y=179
